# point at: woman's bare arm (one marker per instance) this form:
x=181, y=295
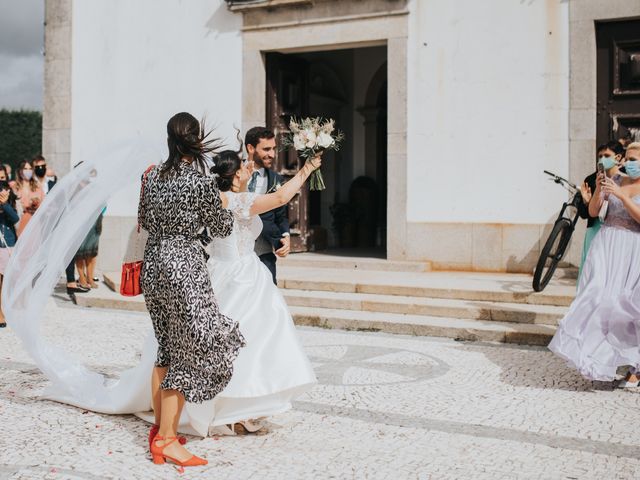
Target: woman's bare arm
x=265, y=203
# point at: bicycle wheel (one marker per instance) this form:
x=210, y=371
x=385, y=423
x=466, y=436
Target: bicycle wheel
x=552, y=253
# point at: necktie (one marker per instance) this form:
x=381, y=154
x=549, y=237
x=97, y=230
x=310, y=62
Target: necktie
x=252, y=182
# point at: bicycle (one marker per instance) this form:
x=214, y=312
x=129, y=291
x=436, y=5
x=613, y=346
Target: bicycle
x=556, y=245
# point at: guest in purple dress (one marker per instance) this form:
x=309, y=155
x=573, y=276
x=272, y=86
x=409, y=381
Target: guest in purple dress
x=601, y=330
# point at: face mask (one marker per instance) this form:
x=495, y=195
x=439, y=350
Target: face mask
x=27, y=174
x=607, y=162
x=632, y=168
x=40, y=170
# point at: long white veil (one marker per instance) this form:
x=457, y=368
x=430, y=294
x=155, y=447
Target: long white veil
x=47, y=246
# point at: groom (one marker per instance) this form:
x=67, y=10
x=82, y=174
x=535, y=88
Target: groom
x=260, y=143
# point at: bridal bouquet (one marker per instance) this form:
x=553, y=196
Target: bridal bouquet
x=310, y=136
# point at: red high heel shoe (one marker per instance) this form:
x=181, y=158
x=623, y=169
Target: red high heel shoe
x=159, y=457
x=154, y=431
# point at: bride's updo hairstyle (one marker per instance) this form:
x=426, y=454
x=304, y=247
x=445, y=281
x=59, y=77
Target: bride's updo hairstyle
x=227, y=163
x=186, y=137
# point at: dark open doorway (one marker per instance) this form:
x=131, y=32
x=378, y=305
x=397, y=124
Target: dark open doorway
x=618, y=108
x=349, y=85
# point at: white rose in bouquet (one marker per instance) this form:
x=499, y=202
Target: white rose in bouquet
x=312, y=139
x=299, y=142
x=325, y=140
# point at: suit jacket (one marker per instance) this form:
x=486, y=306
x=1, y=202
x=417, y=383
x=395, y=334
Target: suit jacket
x=274, y=222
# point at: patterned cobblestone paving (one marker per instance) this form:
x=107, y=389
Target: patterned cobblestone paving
x=386, y=407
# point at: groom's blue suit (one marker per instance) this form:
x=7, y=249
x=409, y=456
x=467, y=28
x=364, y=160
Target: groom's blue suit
x=275, y=223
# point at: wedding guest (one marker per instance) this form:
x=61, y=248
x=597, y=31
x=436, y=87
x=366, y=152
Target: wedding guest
x=40, y=170
x=599, y=333
x=275, y=239
x=196, y=343
x=87, y=255
x=8, y=219
x=4, y=176
x=610, y=155
x=29, y=194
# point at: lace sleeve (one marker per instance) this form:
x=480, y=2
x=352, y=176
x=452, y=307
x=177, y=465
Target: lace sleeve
x=240, y=204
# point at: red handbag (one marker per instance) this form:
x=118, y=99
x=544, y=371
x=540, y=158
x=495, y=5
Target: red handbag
x=130, y=279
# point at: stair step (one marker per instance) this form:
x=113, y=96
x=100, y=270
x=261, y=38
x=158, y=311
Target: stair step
x=467, y=286
x=437, y=307
x=107, y=298
x=422, y=325
x=321, y=260
x=514, y=289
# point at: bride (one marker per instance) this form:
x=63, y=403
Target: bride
x=268, y=373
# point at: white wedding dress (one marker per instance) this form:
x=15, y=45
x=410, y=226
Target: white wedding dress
x=270, y=370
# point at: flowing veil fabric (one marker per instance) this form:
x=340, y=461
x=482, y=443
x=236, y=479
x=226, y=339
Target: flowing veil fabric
x=46, y=247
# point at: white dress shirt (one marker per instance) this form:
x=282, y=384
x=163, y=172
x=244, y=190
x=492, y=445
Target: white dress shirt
x=261, y=181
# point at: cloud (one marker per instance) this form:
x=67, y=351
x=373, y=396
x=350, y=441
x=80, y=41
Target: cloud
x=21, y=27
x=21, y=60
x=21, y=82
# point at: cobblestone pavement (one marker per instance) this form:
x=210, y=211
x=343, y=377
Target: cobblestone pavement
x=386, y=407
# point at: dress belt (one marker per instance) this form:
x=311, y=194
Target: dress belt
x=171, y=237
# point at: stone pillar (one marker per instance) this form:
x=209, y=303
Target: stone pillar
x=56, y=118
x=397, y=149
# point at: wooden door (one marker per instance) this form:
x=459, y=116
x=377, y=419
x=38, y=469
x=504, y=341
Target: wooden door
x=618, y=60
x=287, y=96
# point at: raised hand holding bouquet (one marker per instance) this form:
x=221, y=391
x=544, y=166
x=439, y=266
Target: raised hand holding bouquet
x=310, y=136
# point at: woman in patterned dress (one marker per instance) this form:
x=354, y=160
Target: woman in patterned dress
x=196, y=343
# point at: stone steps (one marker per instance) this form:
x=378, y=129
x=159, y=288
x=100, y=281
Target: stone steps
x=460, y=305
x=422, y=325
x=470, y=286
x=367, y=320
x=435, y=307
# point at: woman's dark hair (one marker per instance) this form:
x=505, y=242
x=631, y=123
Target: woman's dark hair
x=227, y=163
x=186, y=137
x=615, y=146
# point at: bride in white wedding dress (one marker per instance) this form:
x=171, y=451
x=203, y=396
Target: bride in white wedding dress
x=269, y=372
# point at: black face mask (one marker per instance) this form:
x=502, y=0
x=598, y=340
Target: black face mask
x=40, y=170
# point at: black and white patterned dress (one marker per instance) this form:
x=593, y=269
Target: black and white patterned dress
x=195, y=340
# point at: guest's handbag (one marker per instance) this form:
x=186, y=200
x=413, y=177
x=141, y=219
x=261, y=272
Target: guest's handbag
x=130, y=279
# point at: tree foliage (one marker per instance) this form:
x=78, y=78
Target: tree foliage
x=20, y=135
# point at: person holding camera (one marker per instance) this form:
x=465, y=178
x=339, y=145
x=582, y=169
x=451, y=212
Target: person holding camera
x=601, y=330
x=610, y=157
x=8, y=219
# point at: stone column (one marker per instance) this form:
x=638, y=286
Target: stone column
x=56, y=121
x=397, y=149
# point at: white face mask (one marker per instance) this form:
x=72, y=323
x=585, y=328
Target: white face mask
x=27, y=174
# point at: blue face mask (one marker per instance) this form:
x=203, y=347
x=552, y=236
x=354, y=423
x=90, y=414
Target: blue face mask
x=607, y=162
x=632, y=168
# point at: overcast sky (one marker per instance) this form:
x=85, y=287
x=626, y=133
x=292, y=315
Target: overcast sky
x=21, y=47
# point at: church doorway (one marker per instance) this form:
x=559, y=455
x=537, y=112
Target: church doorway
x=350, y=86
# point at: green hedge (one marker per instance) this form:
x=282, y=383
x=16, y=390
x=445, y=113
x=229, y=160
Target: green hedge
x=20, y=135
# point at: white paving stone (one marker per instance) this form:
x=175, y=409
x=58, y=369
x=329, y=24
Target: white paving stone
x=386, y=407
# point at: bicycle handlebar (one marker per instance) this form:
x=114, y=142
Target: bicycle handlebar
x=558, y=179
